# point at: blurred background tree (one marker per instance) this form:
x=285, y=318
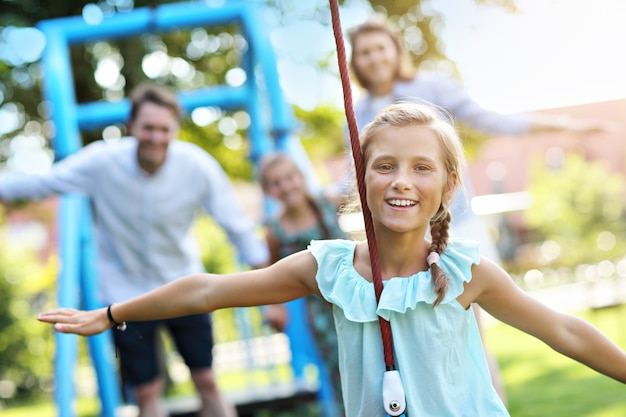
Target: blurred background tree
x=26, y=285
x=577, y=212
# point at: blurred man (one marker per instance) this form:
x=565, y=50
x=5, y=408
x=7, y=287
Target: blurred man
x=146, y=190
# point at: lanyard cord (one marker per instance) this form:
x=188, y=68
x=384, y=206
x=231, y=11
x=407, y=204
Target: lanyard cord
x=385, y=328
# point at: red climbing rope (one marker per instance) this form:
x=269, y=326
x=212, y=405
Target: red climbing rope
x=385, y=328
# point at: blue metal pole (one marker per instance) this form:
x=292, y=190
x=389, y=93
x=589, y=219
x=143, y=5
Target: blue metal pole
x=102, y=113
x=56, y=61
x=168, y=17
x=263, y=55
x=67, y=296
x=259, y=141
x=100, y=346
x=58, y=89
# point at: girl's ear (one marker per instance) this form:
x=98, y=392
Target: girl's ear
x=450, y=186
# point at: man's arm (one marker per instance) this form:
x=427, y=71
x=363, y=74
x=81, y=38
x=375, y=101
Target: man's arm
x=222, y=204
x=71, y=175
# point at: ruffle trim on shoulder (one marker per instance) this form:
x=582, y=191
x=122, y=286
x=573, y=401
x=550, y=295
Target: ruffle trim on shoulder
x=402, y=294
x=340, y=284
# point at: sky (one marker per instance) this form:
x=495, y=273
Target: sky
x=551, y=53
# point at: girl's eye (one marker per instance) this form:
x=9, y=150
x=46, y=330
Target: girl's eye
x=384, y=167
x=422, y=168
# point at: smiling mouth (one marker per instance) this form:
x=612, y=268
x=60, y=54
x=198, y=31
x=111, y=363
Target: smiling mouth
x=401, y=203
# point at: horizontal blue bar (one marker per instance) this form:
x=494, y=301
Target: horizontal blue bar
x=167, y=17
x=103, y=113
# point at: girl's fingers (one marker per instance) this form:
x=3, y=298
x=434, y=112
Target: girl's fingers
x=61, y=328
x=56, y=315
x=78, y=329
x=68, y=320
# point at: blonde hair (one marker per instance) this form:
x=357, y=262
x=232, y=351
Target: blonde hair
x=272, y=159
x=411, y=114
x=405, y=71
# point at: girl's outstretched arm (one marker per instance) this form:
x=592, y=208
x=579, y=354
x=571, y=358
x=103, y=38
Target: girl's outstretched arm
x=288, y=279
x=565, y=333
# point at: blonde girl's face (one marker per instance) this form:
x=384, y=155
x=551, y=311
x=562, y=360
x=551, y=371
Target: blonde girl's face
x=405, y=178
x=375, y=57
x=284, y=182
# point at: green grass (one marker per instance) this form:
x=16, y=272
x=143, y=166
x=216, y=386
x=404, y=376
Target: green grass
x=85, y=407
x=539, y=382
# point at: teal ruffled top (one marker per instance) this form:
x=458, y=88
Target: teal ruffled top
x=438, y=351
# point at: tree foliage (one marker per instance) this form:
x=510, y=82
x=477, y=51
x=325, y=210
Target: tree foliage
x=25, y=286
x=321, y=131
x=579, y=206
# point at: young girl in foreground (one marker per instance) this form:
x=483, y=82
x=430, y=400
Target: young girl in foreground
x=413, y=163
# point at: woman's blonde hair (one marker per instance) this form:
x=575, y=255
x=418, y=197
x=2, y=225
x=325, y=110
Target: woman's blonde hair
x=411, y=114
x=271, y=159
x=405, y=71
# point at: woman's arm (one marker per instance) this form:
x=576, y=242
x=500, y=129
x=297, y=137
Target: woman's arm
x=567, y=334
x=292, y=277
x=450, y=94
x=543, y=123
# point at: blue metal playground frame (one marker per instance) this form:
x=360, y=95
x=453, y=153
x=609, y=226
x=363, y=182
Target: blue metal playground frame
x=78, y=277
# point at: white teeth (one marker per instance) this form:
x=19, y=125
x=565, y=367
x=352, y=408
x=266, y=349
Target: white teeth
x=402, y=203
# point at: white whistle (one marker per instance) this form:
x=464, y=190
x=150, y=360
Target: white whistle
x=393, y=393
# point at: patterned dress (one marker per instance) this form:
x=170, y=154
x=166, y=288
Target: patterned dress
x=319, y=314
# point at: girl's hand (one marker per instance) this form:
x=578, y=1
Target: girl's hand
x=84, y=323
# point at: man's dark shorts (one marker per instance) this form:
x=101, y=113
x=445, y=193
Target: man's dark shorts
x=137, y=346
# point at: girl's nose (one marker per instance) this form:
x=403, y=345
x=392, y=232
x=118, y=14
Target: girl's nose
x=400, y=184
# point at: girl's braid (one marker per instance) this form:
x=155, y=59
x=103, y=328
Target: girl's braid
x=439, y=226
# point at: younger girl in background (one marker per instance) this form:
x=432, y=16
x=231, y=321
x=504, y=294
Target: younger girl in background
x=413, y=163
x=302, y=218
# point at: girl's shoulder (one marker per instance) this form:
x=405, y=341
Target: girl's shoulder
x=457, y=260
x=333, y=250
x=460, y=253
x=334, y=259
